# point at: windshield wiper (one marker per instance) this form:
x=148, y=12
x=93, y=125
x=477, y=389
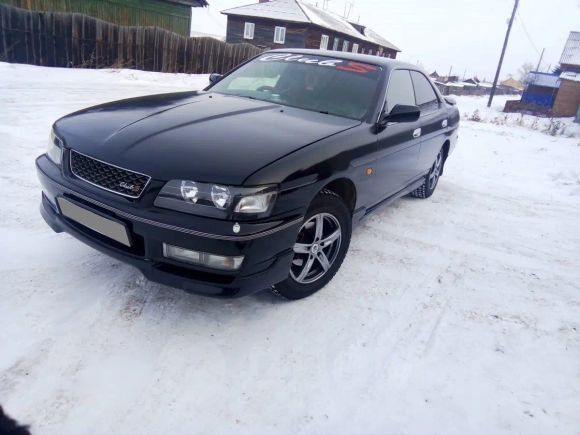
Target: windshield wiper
x=326, y=112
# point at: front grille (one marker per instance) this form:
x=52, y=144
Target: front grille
x=107, y=176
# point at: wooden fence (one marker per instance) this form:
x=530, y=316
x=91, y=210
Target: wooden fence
x=77, y=40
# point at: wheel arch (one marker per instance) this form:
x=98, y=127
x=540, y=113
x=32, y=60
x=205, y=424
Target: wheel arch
x=446, y=147
x=345, y=189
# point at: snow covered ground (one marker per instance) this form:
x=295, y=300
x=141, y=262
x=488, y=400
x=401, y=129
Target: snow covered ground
x=459, y=314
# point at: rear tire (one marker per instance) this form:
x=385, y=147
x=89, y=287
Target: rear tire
x=431, y=179
x=320, y=248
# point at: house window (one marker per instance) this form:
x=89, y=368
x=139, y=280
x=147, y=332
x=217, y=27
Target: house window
x=370, y=51
x=324, y=42
x=249, y=31
x=279, y=35
x=345, y=46
x=335, y=45
x=355, y=48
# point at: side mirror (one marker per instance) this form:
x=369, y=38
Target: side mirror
x=451, y=100
x=215, y=77
x=401, y=113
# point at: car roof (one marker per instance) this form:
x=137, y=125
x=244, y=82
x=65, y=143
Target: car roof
x=364, y=58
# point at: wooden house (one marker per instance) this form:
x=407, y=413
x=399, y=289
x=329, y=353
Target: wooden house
x=297, y=24
x=173, y=15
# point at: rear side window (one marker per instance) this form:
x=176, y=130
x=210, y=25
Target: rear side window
x=424, y=93
x=400, y=90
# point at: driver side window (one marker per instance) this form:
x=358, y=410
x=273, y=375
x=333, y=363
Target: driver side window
x=400, y=90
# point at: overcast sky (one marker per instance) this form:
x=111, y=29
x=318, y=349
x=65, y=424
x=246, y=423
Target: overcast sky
x=465, y=34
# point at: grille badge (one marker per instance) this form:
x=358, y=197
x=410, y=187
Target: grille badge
x=108, y=176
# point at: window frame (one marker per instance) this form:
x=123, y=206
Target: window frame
x=248, y=25
x=355, y=47
x=336, y=43
x=345, y=45
x=279, y=35
x=324, y=42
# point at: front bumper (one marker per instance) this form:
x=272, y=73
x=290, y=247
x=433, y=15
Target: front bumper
x=266, y=246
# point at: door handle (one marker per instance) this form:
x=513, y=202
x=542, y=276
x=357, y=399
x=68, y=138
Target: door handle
x=417, y=133
x=444, y=123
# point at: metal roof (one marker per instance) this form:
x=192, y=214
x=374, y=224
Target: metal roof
x=329, y=20
x=547, y=80
x=378, y=39
x=571, y=53
x=298, y=11
x=287, y=10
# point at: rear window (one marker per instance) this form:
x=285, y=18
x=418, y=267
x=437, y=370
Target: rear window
x=318, y=83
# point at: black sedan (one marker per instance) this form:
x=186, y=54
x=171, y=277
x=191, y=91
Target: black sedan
x=255, y=182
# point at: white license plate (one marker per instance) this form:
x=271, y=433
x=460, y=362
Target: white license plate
x=102, y=225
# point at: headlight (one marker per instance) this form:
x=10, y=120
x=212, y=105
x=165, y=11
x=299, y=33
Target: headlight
x=54, y=149
x=216, y=200
x=220, y=196
x=255, y=203
x=189, y=191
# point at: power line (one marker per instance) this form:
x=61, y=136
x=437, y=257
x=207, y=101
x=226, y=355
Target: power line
x=521, y=21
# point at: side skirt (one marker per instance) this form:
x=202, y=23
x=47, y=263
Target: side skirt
x=364, y=212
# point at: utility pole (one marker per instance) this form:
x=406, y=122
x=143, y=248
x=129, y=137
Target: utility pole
x=540, y=61
x=505, y=42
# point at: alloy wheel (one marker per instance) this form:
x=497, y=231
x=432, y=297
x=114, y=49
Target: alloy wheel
x=316, y=248
x=436, y=170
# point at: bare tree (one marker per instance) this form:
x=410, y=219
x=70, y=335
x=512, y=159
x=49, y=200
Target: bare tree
x=524, y=70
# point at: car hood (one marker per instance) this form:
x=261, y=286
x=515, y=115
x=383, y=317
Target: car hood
x=206, y=137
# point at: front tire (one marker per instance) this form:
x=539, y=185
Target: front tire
x=320, y=247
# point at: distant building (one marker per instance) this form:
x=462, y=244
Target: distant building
x=514, y=84
x=173, y=15
x=567, y=102
x=541, y=89
x=471, y=86
x=297, y=24
x=434, y=75
x=555, y=94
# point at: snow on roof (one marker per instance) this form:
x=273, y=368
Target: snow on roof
x=299, y=11
x=452, y=84
x=329, y=20
x=287, y=10
x=543, y=79
x=568, y=75
x=571, y=53
x=485, y=85
x=469, y=85
x=513, y=83
x=378, y=39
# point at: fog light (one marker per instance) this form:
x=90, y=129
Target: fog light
x=202, y=258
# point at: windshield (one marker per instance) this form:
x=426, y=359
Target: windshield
x=322, y=84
